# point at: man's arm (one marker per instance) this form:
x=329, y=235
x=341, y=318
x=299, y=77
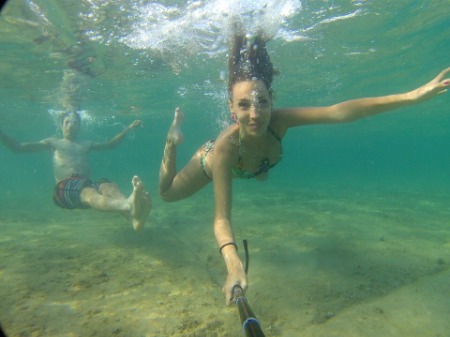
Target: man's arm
x=113, y=143
x=19, y=147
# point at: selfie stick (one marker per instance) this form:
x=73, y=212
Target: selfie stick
x=250, y=324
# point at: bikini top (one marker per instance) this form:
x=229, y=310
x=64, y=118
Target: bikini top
x=264, y=166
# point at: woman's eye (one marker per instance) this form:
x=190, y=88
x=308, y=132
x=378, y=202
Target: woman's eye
x=244, y=105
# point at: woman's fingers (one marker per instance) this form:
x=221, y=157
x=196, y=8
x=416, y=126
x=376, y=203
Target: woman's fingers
x=442, y=74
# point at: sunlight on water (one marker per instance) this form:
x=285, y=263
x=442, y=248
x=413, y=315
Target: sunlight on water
x=203, y=27
x=197, y=26
x=183, y=34
x=37, y=10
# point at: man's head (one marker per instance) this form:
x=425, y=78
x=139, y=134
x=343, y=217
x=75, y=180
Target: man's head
x=70, y=124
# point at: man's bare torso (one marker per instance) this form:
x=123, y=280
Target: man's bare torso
x=70, y=158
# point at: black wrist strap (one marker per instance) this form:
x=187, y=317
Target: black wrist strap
x=227, y=244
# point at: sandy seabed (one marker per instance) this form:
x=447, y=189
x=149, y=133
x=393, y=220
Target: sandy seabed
x=331, y=262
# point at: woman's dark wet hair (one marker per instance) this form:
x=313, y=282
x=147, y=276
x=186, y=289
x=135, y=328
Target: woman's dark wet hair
x=66, y=114
x=249, y=60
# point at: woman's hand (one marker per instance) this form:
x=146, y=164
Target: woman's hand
x=235, y=276
x=437, y=86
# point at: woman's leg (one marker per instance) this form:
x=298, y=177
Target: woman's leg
x=174, y=138
x=190, y=179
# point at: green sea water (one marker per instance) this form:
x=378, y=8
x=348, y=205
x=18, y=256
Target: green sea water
x=385, y=176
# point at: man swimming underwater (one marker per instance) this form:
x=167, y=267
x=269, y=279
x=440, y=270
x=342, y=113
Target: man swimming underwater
x=74, y=189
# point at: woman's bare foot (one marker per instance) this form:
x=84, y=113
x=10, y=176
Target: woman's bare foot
x=175, y=136
x=141, y=204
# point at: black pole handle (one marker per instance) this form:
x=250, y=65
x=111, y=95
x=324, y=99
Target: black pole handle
x=250, y=324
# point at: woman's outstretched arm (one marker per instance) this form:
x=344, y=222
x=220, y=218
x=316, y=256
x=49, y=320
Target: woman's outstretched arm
x=223, y=162
x=352, y=110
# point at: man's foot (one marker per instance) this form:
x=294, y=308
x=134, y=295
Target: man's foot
x=175, y=136
x=141, y=204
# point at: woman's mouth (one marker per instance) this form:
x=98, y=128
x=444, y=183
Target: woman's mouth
x=254, y=126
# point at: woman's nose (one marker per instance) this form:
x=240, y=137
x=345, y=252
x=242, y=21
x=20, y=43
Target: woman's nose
x=254, y=111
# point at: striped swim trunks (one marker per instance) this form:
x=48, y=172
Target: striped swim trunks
x=68, y=191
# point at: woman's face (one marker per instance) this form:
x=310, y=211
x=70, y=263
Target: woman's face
x=251, y=103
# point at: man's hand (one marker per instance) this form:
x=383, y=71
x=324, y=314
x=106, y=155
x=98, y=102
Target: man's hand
x=135, y=124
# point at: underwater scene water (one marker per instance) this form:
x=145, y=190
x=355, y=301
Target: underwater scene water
x=350, y=234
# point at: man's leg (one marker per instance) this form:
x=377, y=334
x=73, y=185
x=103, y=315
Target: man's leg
x=111, y=190
x=135, y=208
x=190, y=179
